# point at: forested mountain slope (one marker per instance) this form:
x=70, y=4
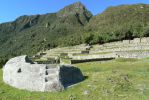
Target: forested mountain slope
x=29, y=34
x=121, y=22
x=72, y=25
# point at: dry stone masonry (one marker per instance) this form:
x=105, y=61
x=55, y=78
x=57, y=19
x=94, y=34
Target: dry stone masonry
x=136, y=48
x=22, y=73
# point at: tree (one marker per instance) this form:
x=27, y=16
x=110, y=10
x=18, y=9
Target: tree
x=129, y=35
x=146, y=31
x=2, y=62
x=89, y=39
x=100, y=39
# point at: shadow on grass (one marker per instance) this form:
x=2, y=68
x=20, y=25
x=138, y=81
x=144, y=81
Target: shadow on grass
x=75, y=83
x=85, y=77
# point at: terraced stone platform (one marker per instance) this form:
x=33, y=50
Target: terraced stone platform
x=136, y=48
x=22, y=73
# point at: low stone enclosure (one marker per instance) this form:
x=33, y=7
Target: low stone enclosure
x=20, y=72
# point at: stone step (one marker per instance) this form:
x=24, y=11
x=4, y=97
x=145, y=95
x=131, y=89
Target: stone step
x=51, y=78
x=47, y=79
x=51, y=71
x=52, y=75
x=52, y=67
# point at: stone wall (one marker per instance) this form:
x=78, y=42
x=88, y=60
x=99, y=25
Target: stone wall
x=136, y=48
x=95, y=56
x=90, y=60
x=144, y=54
x=125, y=45
x=124, y=42
x=109, y=56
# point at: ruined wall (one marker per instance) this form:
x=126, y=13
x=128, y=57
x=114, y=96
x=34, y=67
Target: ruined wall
x=124, y=42
x=144, y=54
x=90, y=60
x=95, y=56
x=125, y=45
x=109, y=56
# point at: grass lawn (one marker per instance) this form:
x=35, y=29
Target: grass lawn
x=124, y=79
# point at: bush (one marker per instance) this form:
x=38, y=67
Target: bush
x=2, y=63
x=89, y=39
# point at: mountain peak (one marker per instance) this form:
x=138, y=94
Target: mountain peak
x=74, y=8
x=78, y=10
x=78, y=5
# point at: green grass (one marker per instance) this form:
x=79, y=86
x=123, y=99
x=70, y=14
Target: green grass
x=98, y=53
x=65, y=61
x=36, y=60
x=114, y=80
x=126, y=59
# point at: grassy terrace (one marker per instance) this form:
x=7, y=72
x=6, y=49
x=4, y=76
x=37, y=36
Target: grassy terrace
x=120, y=79
x=118, y=46
x=98, y=53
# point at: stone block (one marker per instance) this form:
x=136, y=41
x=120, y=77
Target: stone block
x=22, y=73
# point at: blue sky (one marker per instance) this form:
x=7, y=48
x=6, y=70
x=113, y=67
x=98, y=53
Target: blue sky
x=11, y=9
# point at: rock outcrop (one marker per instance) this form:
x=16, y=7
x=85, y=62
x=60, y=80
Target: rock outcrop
x=22, y=73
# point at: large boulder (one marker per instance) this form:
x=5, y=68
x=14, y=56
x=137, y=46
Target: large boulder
x=22, y=73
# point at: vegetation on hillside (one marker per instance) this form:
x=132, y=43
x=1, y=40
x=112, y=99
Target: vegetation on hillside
x=30, y=34
x=72, y=25
x=119, y=23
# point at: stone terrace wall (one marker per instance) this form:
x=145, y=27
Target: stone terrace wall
x=98, y=57
x=144, y=54
x=125, y=45
x=134, y=41
x=109, y=55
